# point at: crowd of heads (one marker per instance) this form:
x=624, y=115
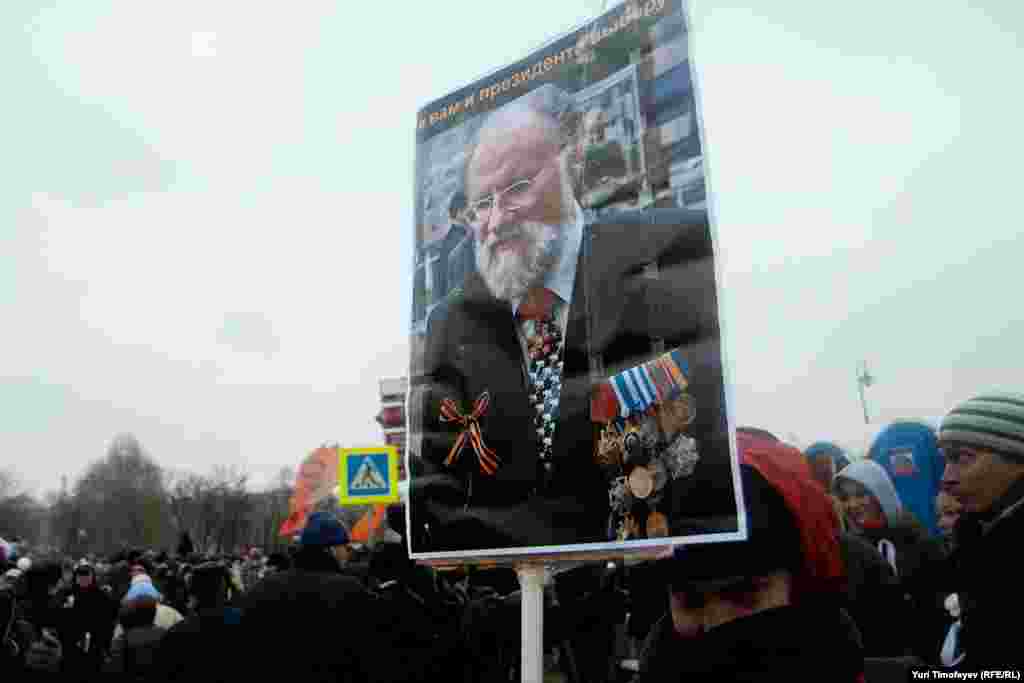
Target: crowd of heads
x=981, y=444
x=799, y=514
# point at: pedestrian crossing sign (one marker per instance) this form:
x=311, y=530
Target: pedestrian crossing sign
x=367, y=476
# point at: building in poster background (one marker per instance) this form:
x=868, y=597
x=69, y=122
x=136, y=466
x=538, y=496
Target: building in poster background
x=566, y=381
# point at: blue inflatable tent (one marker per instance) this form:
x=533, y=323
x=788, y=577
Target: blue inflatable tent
x=909, y=452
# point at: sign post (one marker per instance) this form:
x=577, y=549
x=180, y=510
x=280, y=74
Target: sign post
x=531, y=581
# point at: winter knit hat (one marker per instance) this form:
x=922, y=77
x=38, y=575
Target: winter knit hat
x=142, y=589
x=876, y=480
x=829, y=449
x=323, y=530
x=993, y=422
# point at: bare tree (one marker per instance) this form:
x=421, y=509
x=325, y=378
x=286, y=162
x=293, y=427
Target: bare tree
x=232, y=504
x=9, y=485
x=21, y=515
x=269, y=510
x=120, y=501
x=126, y=499
x=217, y=510
x=186, y=495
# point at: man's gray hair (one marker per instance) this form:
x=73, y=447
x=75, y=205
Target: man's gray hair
x=549, y=103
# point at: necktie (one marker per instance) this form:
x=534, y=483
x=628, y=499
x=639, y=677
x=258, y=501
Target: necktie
x=539, y=323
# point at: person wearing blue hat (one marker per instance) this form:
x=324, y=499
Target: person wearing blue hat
x=335, y=628
x=825, y=459
x=323, y=537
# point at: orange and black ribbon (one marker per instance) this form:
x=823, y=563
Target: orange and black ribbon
x=470, y=424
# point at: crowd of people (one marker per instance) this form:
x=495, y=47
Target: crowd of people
x=836, y=581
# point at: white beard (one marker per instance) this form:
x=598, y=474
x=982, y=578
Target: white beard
x=509, y=274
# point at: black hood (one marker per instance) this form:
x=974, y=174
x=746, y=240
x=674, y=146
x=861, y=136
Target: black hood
x=778, y=641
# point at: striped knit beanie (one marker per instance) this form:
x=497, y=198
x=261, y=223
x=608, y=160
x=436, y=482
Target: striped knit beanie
x=993, y=422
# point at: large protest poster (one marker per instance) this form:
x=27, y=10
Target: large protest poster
x=316, y=478
x=567, y=389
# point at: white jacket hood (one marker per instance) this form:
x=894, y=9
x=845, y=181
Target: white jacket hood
x=875, y=479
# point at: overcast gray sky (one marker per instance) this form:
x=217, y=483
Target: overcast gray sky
x=206, y=214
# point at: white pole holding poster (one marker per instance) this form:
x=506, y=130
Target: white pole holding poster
x=531, y=581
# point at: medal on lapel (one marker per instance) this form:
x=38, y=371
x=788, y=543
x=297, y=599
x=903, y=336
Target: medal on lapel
x=643, y=444
x=641, y=483
x=657, y=525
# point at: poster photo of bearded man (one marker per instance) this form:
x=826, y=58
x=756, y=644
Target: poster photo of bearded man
x=567, y=389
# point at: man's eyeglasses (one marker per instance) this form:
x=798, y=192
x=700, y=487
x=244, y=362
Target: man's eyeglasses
x=512, y=199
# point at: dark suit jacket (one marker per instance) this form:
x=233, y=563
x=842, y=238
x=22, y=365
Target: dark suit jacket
x=615, y=315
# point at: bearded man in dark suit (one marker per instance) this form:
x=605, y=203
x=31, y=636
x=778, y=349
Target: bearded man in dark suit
x=502, y=441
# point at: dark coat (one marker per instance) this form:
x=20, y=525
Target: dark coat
x=423, y=632
x=306, y=625
x=205, y=647
x=786, y=643
x=616, y=314
x=920, y=562
x=648, y=599
x=988, y=577
x=94, y=612
x=134, y=653
x=874, y=599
